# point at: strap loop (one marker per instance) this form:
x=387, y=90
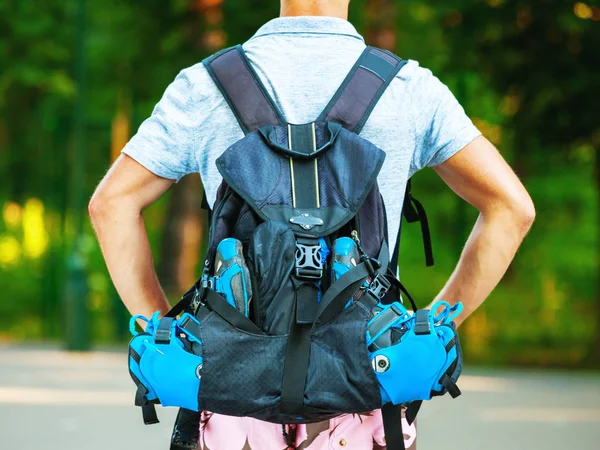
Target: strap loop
x=450, y=386
x=422, y=325
x=149, y=414
x=163, y=332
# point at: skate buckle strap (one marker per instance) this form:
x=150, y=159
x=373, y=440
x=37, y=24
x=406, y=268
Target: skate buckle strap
x=309, y=265
x=163, y=333
x=379, y=287
x=422, y=325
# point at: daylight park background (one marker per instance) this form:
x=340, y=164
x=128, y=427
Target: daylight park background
x=77, y=77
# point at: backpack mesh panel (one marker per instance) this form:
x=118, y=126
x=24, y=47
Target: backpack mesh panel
x=328, y=193
x=340, y=376
x=246, y=223
x=257, y=174
x=235, y=378
x=281, y=136
x=321, y=134
x=282, y=194
x=340, y=162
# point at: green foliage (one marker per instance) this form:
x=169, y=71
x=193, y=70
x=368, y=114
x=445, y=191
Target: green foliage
x=525, y=70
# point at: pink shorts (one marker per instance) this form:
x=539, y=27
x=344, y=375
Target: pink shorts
x=349, y=432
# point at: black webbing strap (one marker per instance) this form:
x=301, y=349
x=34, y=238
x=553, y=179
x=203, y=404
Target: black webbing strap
x=307, y=294
x=148, y=409
x=384, y=257
x=396, y=254
x=182, y=304
x=362, y=88
x=340, y=292
x=140, y=394
x=191, y=326
x=162, y=335
x=136, y=357
x=206, y=207
x=186, y=432
x=422, y=325
x=149, y=414
x=305, y=178
x=392, y=426
x=412, y=409
x=296, y=367
x=391, y=277
x=414, y=211
x=220, y=306
x=450, y=344
x=244, y=92
x=450, y=386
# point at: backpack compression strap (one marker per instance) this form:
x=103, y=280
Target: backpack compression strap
x=244, y=92
x=362, y=88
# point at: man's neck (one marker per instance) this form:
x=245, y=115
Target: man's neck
x=329, y=8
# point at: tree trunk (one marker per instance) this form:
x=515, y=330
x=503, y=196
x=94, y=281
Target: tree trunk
x=381, y=24
x=181, y=238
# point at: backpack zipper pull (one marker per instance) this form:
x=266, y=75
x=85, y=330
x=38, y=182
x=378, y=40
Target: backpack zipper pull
x=354, y=235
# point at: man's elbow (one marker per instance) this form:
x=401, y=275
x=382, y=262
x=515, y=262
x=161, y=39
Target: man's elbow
x=97, y=207
x=524, y=214
x=102, y=206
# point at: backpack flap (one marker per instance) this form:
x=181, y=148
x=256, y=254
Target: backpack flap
x=315, y=193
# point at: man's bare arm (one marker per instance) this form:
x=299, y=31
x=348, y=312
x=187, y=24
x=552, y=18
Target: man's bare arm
x=479, y=175
x=116, y=212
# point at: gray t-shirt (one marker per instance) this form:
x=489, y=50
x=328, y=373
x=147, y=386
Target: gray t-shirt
x=302, y=61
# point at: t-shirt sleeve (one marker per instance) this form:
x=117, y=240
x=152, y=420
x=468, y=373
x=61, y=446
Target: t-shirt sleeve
x=164, y=143
x=442, y=127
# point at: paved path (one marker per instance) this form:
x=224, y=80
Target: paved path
x=53, y=400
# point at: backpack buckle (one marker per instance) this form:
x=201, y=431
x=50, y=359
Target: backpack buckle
x=309, y=265
x=379, y=287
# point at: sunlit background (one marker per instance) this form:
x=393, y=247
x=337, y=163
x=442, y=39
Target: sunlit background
x=78, y=77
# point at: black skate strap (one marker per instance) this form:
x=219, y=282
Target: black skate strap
x=392, y=426
x=364, y=85
x=244, y=92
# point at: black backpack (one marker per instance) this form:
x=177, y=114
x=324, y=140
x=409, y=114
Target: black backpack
x=300, y=356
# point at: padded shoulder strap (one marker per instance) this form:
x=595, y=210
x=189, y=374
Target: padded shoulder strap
x=245, y=94
x=353, y=102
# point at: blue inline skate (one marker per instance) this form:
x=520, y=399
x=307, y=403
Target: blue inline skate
x=232, y=278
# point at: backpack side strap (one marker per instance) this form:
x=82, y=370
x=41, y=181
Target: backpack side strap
x=245, y=94
x=413, y=211
x=364, y=85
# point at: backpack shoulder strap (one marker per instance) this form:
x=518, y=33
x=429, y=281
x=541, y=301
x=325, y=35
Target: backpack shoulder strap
x=244, y=92
x=362, y=88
